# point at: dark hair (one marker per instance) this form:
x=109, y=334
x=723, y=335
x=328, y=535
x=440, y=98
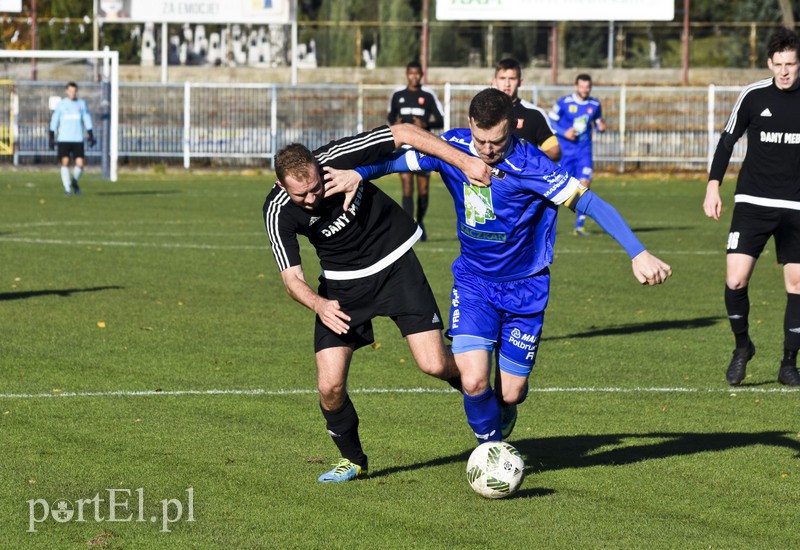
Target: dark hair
x=490, y=107
x=583, y=76
x=71, y=85
x=414, y=65
x=508, y=63
x=294, y=160
x=782, y=40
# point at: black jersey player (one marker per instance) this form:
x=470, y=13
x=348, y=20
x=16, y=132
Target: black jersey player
x=415, y=104
x=767, y=199
x=368, y=267
x=532, y=123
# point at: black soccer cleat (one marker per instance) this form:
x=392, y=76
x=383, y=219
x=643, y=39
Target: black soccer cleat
x=788, y=375
x=738, y=366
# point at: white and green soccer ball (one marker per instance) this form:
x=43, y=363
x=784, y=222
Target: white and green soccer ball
x=495, y=469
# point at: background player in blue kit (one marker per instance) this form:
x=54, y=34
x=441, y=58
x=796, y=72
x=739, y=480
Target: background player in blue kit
x=71, y=118
x=507, y=233
x=418, y=105
x=575, y=116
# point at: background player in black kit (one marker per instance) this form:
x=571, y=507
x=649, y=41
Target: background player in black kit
x=533, y=124
x=368, y=267
x=415, y=104
x=767, y=199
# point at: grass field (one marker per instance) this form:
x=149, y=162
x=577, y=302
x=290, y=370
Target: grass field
x=150, y=354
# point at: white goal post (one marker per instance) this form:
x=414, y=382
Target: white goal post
x=110, y=61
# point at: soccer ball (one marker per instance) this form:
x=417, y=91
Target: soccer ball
x=495, y=469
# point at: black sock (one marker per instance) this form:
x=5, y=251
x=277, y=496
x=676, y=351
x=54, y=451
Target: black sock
x=342, y=426
x=791, y=330
x=408, y=205
x=738, y=305
x=422, y=207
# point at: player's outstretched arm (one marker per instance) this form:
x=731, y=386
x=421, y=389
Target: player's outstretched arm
x=649, y=270
x=712, y=205
x=478, y=172
x=328, y=311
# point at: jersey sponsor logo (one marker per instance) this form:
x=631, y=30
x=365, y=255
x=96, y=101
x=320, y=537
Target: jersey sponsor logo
x=766, y=112
x=557, y=181
x=478, y=205
x=413, y=111
x=482, y=235
x=421, y=100
x=733, y=240
x=343, y=220
x=455, y=318
x=573, y=109
x=790, y=138
x=498, y=174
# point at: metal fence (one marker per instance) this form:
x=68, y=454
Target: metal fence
x=244, y=125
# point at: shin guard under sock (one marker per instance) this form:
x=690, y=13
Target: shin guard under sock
x=483, y=415
x=737, y=304
x=342, y=425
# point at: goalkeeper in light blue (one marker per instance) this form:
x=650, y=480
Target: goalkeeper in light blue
x=70, y=120
x=507, y=231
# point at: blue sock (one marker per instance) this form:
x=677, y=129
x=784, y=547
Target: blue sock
x=579, y=220
x=483, y=415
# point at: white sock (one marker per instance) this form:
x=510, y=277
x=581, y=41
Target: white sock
x=76, y=173
x=65, y=179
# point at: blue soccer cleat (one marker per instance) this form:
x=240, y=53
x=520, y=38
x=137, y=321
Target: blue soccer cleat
x=508, y=420
x=343, y=471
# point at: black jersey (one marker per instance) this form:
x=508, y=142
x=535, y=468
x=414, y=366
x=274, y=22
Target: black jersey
x=533, y=124
x=405, y=105
x=370, y=235
x=771, y=167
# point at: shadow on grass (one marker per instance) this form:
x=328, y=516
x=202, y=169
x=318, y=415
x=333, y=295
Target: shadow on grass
x=124, y=193
x=583, y=451
x=632, y=328
x=64, y=293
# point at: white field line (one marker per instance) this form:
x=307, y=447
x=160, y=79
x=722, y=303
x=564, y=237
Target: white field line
x=419, y=250
x=282, y=392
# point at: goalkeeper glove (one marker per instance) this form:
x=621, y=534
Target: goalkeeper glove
x=92, y=141
x=51, y=142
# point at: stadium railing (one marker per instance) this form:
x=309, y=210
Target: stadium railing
x=244, y=125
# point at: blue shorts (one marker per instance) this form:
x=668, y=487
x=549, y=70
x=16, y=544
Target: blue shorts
x=502, y=316
x=578, y=164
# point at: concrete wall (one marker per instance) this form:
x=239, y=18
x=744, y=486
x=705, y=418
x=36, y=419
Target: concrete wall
x=436, y=75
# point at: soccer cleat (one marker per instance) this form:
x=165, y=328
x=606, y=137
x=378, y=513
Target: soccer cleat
x=75, y=188
x=788, y=375
x=508, y=421
x=580, y=232
x=738, y=366
x=343, y=471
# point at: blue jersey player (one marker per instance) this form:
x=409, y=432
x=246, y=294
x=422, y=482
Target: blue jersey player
x=574, y=116
x=70, y=120
x=507, y=232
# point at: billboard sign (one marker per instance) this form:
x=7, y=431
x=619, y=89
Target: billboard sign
x=195, y=11
x=561, y=10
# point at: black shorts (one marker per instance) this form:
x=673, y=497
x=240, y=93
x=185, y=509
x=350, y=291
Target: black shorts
x=753, y=225
x=400, y=292
x=70, y=148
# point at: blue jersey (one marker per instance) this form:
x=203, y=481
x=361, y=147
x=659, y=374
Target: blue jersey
x=507, y=231
x=573, y=112
x=70, y=120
